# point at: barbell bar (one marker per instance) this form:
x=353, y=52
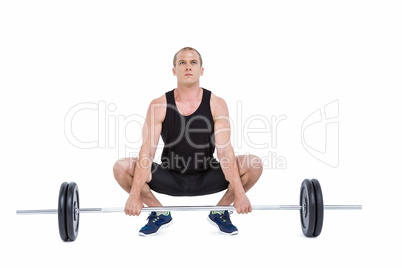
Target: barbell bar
x=188, y=208
x=311, y=209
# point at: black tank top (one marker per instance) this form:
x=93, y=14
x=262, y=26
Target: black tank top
x=189, y=140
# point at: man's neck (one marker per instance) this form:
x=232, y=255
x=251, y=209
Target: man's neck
x=188, y=93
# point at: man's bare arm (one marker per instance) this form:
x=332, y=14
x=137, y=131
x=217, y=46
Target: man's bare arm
x=226, y=154
x=150, y=138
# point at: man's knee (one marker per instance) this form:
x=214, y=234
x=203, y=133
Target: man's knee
x=256, y=166
x=123, y=166
x=118, y=169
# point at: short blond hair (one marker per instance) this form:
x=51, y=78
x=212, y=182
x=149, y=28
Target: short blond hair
x=184, y=49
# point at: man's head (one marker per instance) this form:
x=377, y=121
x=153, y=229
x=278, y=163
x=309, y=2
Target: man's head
x=186, y=49
x=187, y=64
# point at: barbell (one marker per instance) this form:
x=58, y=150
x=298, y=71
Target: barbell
x=311, y=207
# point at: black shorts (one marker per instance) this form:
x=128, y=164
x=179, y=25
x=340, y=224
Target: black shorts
x=174, y=183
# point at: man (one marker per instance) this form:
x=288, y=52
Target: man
x=192, y=122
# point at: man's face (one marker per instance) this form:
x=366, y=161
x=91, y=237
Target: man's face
x=188, y=68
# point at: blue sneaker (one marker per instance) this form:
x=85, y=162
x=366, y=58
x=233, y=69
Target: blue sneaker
x=156, y=223
x=222, y=221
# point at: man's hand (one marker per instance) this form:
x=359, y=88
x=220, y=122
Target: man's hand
x=242, y=204
x=133, y=206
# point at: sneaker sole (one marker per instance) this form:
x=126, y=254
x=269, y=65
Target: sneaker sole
x=216, y=225
x=164, y=226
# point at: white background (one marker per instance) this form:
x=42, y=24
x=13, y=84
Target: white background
x=277, y=58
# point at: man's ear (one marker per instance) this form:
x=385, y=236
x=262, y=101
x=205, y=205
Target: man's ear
x=174, y=71
x=202, y=70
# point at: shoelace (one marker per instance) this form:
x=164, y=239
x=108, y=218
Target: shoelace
x=226, y=217
x=153, y=217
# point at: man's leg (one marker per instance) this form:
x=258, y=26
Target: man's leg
x=123, y=171
x=250, y=169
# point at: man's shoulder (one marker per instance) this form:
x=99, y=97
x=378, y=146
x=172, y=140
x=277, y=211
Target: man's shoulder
x=217, y=100
x=160, y=100
x=218, y=105
x=157, y=109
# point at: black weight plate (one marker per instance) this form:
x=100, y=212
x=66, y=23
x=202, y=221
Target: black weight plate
x=61, y=211
x=72, y=206
x=308, y=211
x=319, y=208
